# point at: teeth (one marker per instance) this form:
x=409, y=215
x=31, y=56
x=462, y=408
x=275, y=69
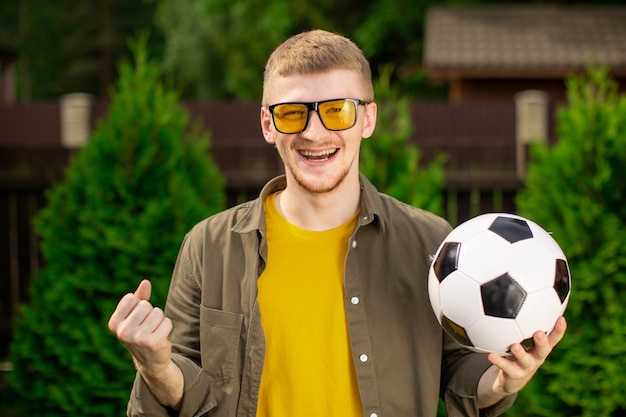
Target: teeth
x=320, y=154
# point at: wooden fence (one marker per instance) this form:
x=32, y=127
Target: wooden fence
x=478, y=139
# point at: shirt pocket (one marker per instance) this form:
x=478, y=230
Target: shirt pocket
x=219, y=342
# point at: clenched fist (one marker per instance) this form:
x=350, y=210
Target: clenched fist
x=144, y=330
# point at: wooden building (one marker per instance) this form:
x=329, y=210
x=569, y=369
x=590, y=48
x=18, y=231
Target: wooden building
x=492, y=52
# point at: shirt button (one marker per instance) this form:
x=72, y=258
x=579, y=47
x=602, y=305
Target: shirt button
x=353, y=244
x=354, y=300
x=363, y=357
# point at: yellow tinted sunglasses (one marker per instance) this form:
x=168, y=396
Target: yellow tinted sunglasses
x=336, y=114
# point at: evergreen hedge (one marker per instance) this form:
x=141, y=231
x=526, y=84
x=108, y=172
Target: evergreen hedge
x=577, y=190
x=129, y=196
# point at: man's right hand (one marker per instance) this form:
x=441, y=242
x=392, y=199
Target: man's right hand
x=144, y=330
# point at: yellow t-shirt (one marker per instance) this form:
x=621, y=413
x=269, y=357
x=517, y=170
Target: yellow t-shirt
x=308, y=368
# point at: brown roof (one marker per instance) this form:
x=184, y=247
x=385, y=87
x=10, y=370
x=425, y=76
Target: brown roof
x=524, y=40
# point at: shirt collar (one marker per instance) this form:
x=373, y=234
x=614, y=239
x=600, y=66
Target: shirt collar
x=371, y=205
x=254, y=217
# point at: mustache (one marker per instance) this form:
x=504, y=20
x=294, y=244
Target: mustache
x=303, y=144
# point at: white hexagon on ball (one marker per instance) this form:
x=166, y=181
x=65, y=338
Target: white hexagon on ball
x=545, y=301
x=483, y=267
x=460, y=298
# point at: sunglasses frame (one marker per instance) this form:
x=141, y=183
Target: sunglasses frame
x=314, y=106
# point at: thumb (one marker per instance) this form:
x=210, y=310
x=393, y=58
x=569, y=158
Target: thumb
x=144, y=290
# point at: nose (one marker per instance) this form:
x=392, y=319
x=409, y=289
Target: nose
x=315, y=125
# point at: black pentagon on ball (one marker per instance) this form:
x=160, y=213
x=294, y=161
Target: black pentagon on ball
x=511, y=229
x=562, y=279
x=502, y=297
x=447, y=261
x=455, y=331
x=527, y=343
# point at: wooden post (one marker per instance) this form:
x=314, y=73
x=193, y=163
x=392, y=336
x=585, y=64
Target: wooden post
x=75, y=119
x=531, y=124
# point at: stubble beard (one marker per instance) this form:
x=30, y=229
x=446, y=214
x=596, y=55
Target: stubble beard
x=313, y=188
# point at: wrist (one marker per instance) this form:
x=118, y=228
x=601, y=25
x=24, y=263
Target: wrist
x=153, y=371
x=166, y=384
x=490, y=390
x=498, y=389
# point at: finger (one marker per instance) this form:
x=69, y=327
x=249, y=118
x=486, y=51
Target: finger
x=144, y=290
x=130, y=329
x=128, y=303
x=542, y=346
x=123, y=309
x=139, y=314
x=500, y=361
x=512, y=372
x=523, y=358
x=556, y=335
x=154, y=339
x=513, y=364
x=164, y=328
x=153, y=320
x=534, y=357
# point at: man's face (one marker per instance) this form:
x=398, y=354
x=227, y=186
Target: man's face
x=317, y=159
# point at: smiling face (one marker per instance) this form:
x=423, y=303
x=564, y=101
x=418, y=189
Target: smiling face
x=319, y=160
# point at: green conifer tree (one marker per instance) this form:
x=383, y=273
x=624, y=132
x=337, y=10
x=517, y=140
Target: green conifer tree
x=128, y=199
x=390, y=162
x=577, y=190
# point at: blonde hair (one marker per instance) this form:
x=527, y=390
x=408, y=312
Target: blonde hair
x=314, y=52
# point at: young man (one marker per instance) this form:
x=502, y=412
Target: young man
x=312, y=300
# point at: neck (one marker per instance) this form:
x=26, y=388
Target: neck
x=319, y=211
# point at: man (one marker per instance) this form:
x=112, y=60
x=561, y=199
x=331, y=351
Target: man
x=312, y=300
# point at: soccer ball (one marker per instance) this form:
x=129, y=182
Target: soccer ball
x=495, y=280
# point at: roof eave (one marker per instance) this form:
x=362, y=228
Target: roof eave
x=454, y=73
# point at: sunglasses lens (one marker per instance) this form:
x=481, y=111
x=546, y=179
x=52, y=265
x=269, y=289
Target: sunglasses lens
x=338, y=114
x=290, y=118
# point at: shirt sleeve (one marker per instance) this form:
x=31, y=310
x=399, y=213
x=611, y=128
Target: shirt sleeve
x=462, y=370
x=182, y=308
x=197, y=399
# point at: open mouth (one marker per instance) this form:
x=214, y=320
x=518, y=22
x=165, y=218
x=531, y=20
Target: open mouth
x=319, y=156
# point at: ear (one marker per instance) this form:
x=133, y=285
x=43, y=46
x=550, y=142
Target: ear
x=369, y=124
x=266, y=125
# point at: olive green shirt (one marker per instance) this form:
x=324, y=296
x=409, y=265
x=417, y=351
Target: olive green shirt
x=403, y=359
